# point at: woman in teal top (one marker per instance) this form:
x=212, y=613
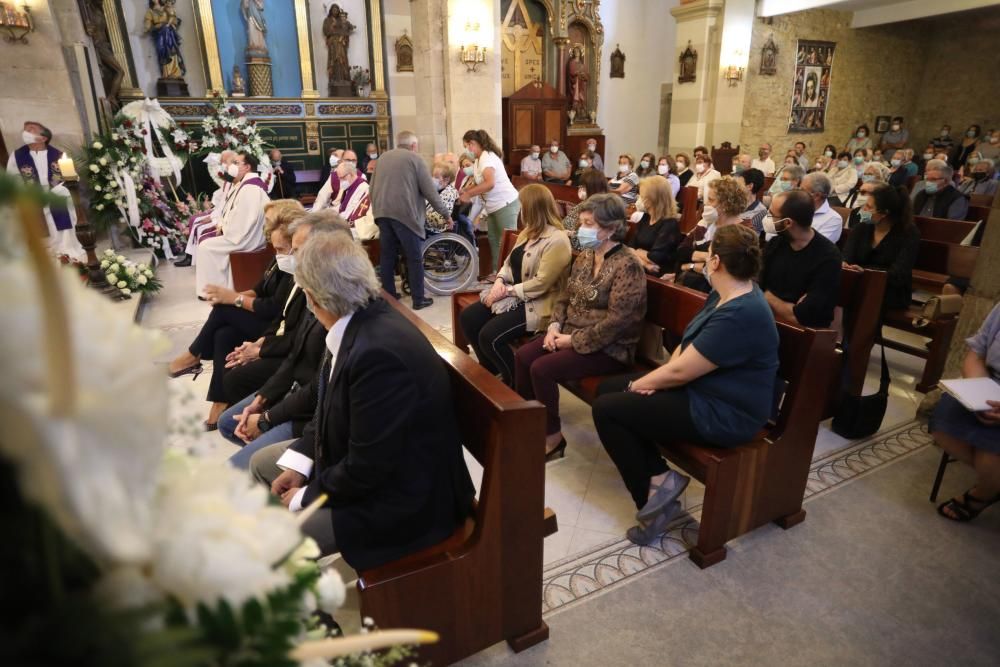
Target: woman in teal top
x=717, y=388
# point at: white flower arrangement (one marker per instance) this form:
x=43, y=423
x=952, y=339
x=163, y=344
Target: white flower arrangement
x=127, y=276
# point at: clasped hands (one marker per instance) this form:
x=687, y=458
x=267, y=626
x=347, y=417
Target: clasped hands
x=219, y=295
x=990, y=417
x=246, y=423
x=497, y=292
x=557, y=341
x=286, y=485
x=244, y=354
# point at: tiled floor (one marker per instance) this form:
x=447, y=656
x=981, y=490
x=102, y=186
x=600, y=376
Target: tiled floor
x=584, y=489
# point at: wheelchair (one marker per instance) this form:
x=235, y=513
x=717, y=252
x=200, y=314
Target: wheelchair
x=451, y=263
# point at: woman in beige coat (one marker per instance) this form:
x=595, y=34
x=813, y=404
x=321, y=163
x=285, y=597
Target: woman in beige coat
x=522, y=298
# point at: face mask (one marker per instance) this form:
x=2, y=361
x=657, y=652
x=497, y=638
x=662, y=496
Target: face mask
x=928, y=156
x=353, y=163
x=224, y=174
x=30, y=137
x=700, y=168
x=738, y=169
x=662, y=169
x=895, y=162
x=762, y=155
x=584, y=164
x=944, y=133
x=828, y=153
x=534, y=155
x=861, y=134
x=865, y=217
x=930, y=187
x=233, y=170
x=309, y=305
x=771, y=225
x=819, y=165
x=842, y=164
x=439, y=184
x=895, y=127
x=591, y=147
x=467, y=171
x=867, y=178
x=286, y=263
x=587, y=236
x=644, y=164
x=640, y=205
x=334, y=161
x=623, y=169
x=877, y=157
x=553, y=149
x=680, y=166
x=785, y=185
x=710, y=215
x=978, y=175
x=858, y=159
x=581, y=194
x=972, y=160
x=704, y=272
x=372, y=156
x=970, y=134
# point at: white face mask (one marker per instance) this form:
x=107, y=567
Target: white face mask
x=534, y=155
x=662, y=169
x=334, y=160
x=928, y=156
x=30, y=137
x=286, y=263
x=233, y=170
x=344, y=184
x=842, y=164
x=828, y=153
x=583, y=164
x=861, y=134
x=680, y=165
x=640, y=205
x=353, y=163
x=771, y=225
x=372, y=156
x=895, y=127
x=553, y=149
x=710, y=215
x=644, y=164
x=700, y=168
x=623, y=169
x=581, y=194
x=591, y=147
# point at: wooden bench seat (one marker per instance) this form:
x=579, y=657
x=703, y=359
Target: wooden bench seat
x=483, y=584
x=247, y=267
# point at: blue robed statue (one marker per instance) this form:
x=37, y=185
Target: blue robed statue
x=162, y=21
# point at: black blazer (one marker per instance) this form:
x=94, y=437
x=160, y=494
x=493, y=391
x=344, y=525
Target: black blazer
x=284, y=185
x=301, y=366
x=271, y=292
x=385, y=442
x=281, y=346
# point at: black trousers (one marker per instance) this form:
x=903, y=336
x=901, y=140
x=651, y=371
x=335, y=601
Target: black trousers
x=225, y=329
x=630, y=426
x=241, y=381
x=395, y=237
x=491, y=335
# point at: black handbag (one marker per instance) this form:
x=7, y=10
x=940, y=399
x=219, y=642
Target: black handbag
x=861, y=416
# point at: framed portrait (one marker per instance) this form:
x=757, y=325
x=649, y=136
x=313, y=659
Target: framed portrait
x=882, y=124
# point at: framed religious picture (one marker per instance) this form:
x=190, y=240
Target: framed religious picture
x=617, y=63
x=881, y=124
x=811, y=83
x=769, y=57
x=404, y=53
x=688, y=64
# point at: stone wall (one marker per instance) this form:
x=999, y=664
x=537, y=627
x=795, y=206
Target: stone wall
x=876, y=72
x=401, y=85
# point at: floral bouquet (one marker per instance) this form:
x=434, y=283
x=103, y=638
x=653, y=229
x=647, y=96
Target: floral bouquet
x=128, y=276
x=228, y=128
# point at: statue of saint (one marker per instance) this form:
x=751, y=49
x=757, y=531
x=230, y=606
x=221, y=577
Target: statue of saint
x=239, y=86
x=253, y=14
x=337, y=31
x=112, y=73
x=577, y=82
x=161, y=20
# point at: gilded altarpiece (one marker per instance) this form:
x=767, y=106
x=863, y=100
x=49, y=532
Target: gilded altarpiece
x=522, y=46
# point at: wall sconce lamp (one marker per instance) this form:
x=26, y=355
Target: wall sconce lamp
x=16, y=22
x=472, y=56
x=732, y=74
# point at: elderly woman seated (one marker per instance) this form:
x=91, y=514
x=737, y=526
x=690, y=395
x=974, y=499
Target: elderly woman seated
x=874, y=174
x=596, y=320
x=981, y=179
x=711, y=391
x=973, y=437
x=239, y=317
x=657, y=233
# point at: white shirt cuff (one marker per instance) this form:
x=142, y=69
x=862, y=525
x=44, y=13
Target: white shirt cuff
x=292, y=460
x=296, y=504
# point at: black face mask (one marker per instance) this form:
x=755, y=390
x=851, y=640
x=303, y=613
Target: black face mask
x=978, y=175
x=227, y=178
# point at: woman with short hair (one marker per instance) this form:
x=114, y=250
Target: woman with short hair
x=716, y=390
x=862, y=140
x=704, y=174
x=596, y=321
x=524, y=293
x=724, y=204
x=683, y=165
x=843, y=177
x=625, y=183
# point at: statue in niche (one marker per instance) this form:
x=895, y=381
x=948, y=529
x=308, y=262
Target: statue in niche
x=162, y=22
x=239, y=88
x=617, y=63
x=253, y=14
x=112, y=73
x=769, y=57
x=337, y=32
x=688, y=65
x=577, y=83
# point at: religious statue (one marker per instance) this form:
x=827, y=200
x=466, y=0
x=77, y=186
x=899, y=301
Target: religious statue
x=161, y=20
x=239, y=88
x=688, y=65
x=112, y=73
x=617, y=63
x=768, y=57
x=337, y=32
x=577, y=82
x=253, y=14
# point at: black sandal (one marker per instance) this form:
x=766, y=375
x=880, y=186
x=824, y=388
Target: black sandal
x=194, y=370
x=963, y=509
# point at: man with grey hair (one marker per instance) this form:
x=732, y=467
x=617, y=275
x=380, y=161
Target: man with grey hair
x=938, y=198
x=398, y=200
x=826, y=221
x=384, y=446
x=789, y=178
x=980, y=179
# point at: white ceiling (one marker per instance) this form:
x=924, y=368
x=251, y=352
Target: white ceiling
x=875, y=12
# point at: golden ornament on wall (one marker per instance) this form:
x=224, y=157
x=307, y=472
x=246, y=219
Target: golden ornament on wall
x=404, y=54
x=617, y=63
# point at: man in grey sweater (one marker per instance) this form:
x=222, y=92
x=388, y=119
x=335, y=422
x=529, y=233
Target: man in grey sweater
x=397, y=197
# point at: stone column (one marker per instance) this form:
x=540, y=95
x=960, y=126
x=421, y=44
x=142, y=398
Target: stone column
x=698, y=22
x=561, y=43
x=429, y=35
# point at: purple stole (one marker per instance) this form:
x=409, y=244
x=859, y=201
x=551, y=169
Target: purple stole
x=334, y=184
x=348, y=193
x=26, y=165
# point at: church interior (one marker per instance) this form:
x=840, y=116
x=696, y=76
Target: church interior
x=500, y=332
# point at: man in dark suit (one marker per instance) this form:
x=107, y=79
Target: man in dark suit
x=284, y=177
x=384, y=444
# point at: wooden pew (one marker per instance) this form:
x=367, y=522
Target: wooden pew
x=248, y=267
x=942, y=229
x=763, y=480
x=561, y=192
x=985, y=201
x=690, y=211
x=483, y=584
x=936, y=261
x=977, y=213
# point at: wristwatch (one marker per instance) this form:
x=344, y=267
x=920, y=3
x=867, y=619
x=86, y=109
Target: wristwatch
x=238, y=302
x=264, y=423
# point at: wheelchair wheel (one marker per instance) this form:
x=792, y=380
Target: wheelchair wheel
x=451, y=263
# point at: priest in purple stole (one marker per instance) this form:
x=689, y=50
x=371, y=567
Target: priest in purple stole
x=38, y=162
x=242, y=226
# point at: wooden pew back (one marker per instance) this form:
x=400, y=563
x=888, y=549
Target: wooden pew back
x=942, y=229
x=977, y=213
x=949, y=259
x=691, y=213
x=985, y=201
x=483, y=585
x=248, y=266
x=860, y=300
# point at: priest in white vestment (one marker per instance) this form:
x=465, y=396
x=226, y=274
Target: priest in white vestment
x=242, y=226
x=37, y=161
x=352, y=201
x=205, y=225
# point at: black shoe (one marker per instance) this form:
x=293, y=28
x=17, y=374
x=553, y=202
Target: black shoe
x=183, y=261
x=558, y=453
x=422, y=303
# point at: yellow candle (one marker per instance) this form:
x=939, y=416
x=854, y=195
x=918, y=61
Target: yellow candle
x=67, y=169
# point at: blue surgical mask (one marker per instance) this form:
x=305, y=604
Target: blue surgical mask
x=738, y=169
x=858, y=159
x=583, y=164
x=704, y=272
x=865, y=216
x=930, y=187
x=587, y=237
x=785, y=185
x=467, y=171
x=867, y=178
